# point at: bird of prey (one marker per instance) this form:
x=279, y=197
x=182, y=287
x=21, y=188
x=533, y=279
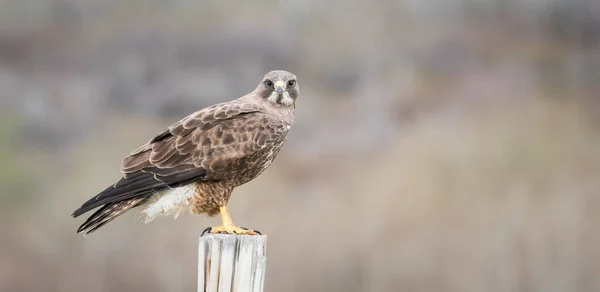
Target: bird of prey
x=197, y=162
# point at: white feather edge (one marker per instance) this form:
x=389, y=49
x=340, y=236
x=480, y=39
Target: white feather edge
x=168, y=202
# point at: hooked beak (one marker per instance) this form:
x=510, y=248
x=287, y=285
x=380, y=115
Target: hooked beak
x=279, y=86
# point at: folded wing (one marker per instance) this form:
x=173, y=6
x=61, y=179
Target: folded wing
x=200, y=147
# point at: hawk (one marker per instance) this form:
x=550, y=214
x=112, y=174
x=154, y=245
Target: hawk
x=197, y=162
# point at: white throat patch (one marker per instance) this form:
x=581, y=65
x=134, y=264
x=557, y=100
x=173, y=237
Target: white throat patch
x=286, y=98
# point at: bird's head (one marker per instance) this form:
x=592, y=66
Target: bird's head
x=279, y=87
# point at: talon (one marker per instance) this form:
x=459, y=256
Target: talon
x=230, y=229
x=208, y=229
x=227, y=226
x=255, y=231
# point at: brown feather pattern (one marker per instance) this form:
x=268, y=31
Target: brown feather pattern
x=217, y=148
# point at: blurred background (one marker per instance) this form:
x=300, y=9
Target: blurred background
x=438, y=145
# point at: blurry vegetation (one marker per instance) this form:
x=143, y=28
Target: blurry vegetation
x=17, y=183
x=438, y=146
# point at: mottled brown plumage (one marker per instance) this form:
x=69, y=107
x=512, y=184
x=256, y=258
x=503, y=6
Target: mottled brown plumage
x=213, y=151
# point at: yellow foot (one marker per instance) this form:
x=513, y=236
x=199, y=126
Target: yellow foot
x=230, y=229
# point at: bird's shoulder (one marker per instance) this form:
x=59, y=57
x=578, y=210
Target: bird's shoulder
x=205, y=119
x=245, y=121
x=209, y=117
x=243, y=114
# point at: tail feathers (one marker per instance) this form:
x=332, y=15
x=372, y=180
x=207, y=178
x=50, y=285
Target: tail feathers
x=141, y=184
x=126, y=188
x=131, y=191
x=109, y=212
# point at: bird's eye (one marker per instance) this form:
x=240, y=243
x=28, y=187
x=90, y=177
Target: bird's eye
x=291, y=83
x=269, y=84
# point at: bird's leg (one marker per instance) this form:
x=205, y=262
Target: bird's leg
x=227, y=225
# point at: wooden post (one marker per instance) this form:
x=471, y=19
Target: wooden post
x=228, y=263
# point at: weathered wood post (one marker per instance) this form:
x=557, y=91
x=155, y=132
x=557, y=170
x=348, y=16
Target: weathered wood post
x=228, y=263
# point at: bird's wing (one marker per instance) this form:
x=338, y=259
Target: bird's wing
x=202, y=146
